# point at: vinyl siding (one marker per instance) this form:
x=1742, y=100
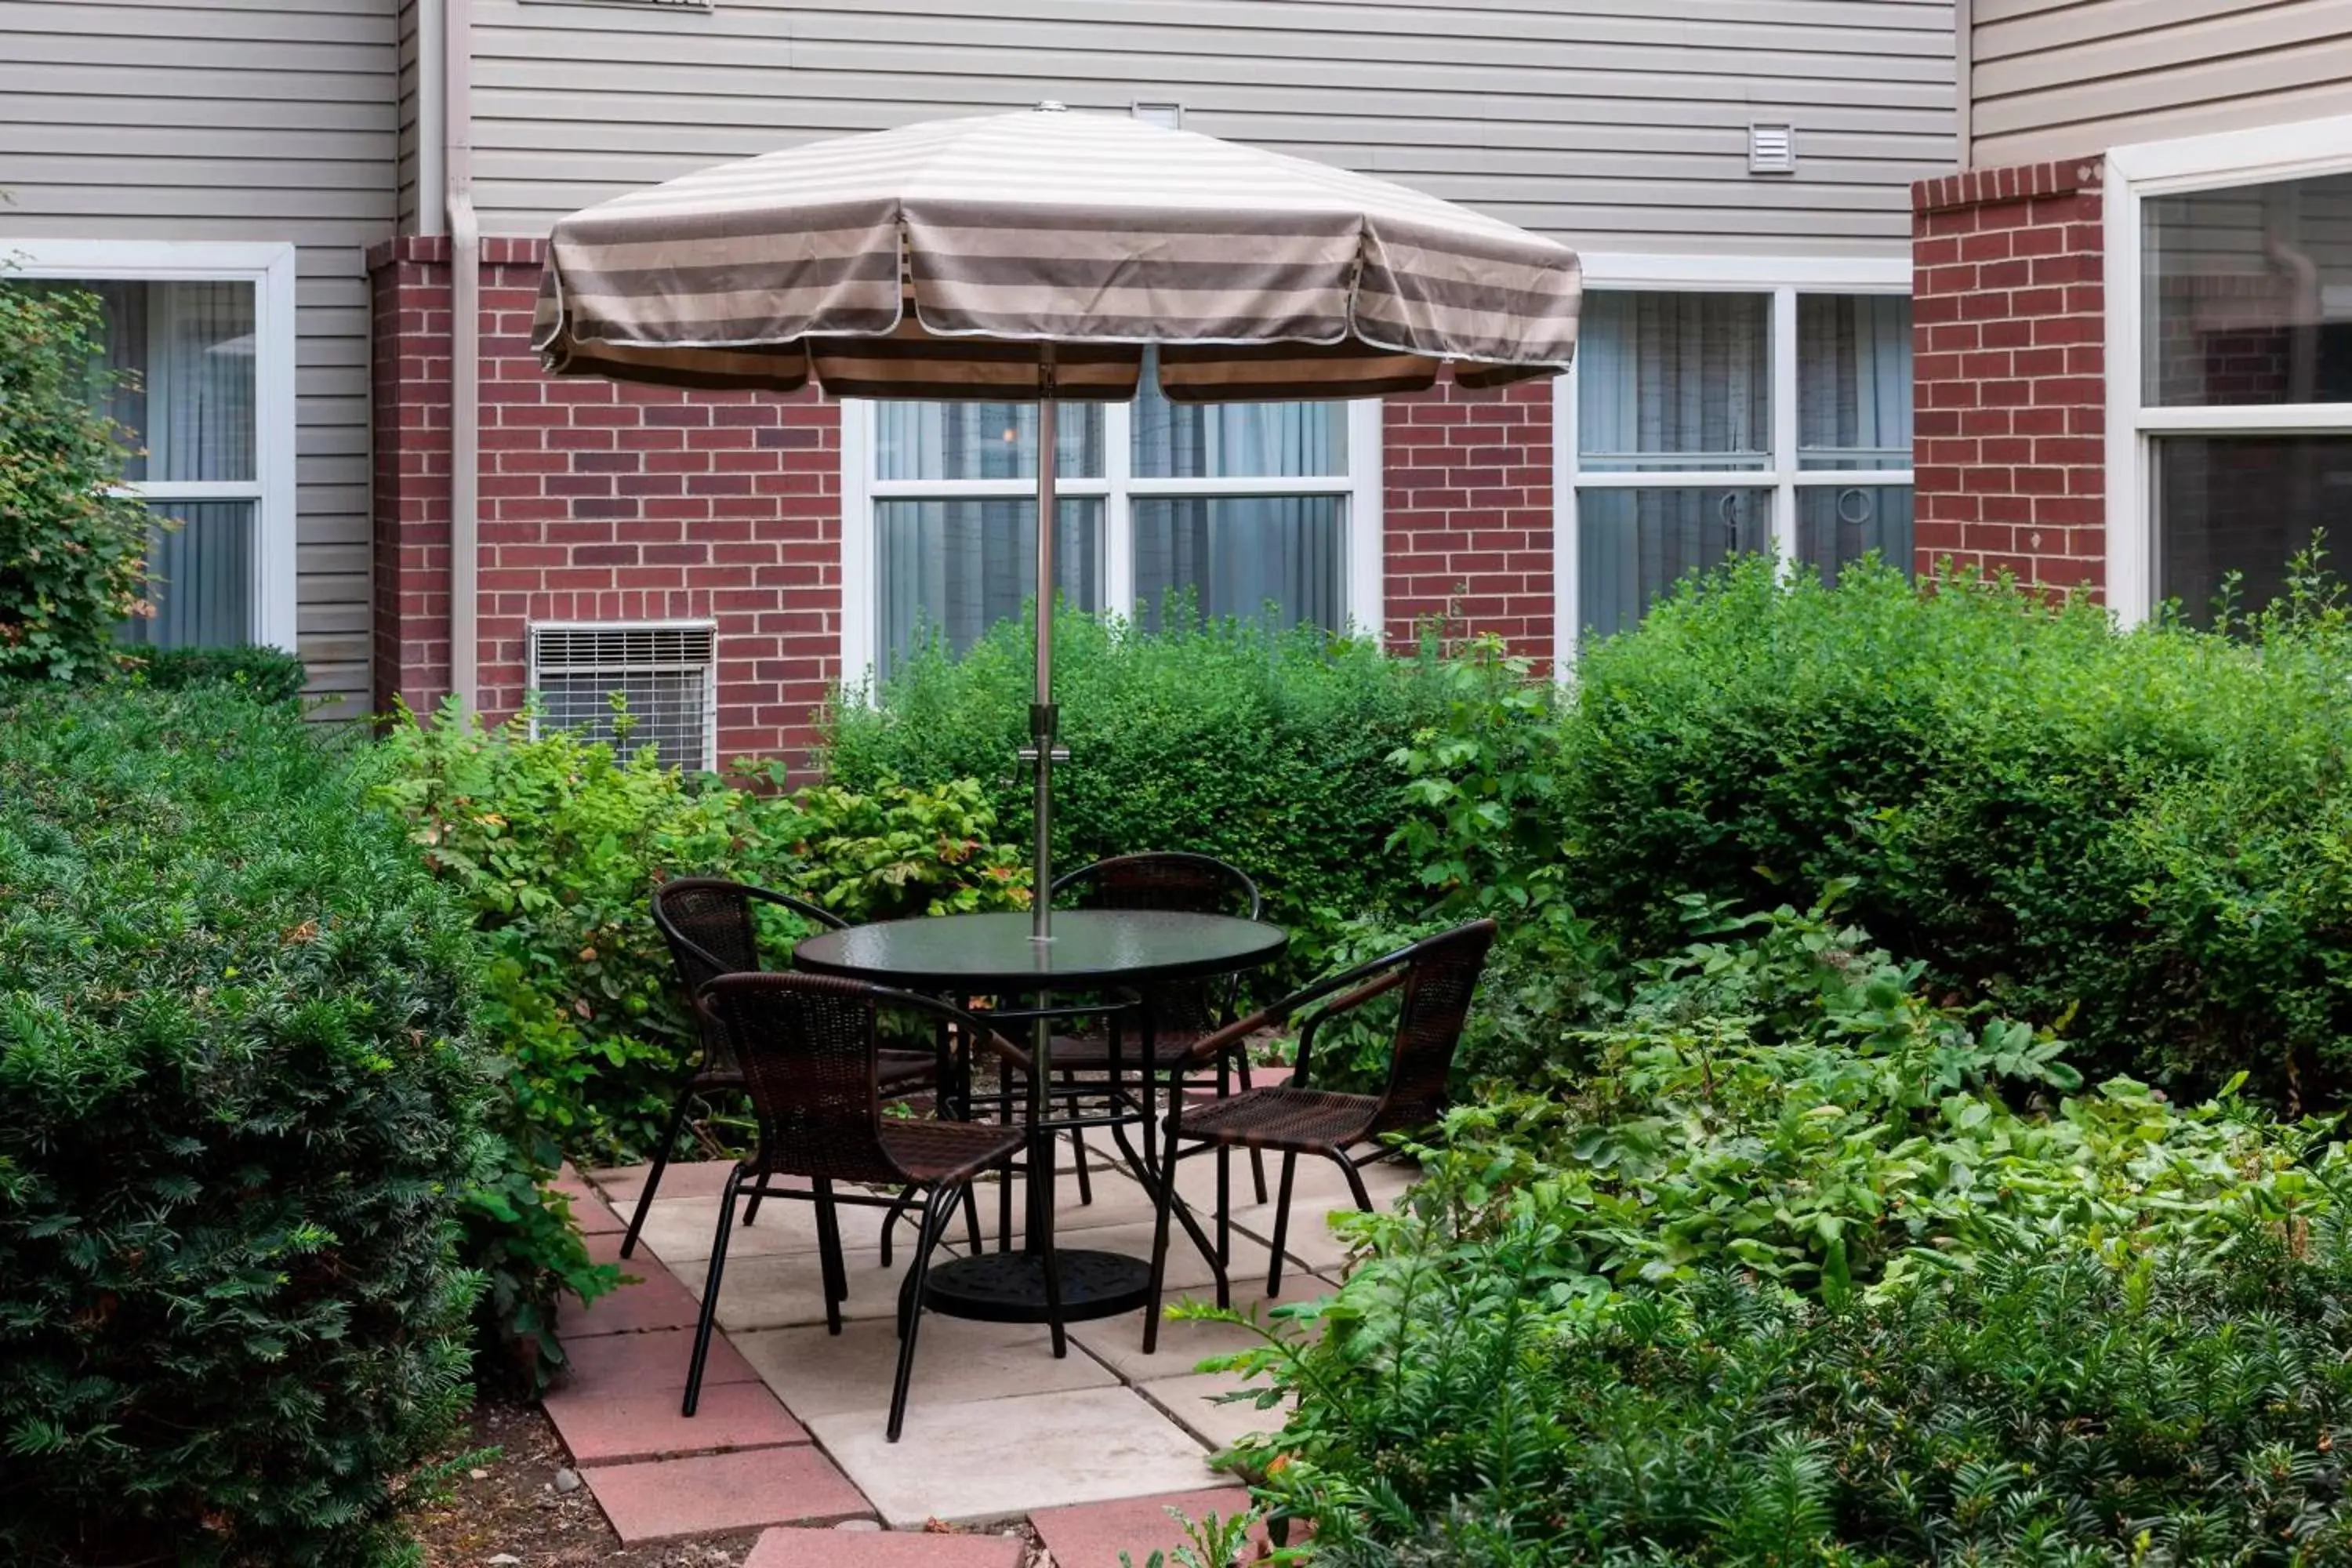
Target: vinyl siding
x=2060, y=78
x=232, y=120
x=1618, y=124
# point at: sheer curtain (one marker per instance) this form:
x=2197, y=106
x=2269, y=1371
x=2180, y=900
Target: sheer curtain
x=1667, y=383
x=1854, y=413
x=1276, y=556
x=180, y=378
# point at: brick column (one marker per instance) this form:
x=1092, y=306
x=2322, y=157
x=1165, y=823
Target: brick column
x=1467, y=514
x=600, y=503
x=2009, y=346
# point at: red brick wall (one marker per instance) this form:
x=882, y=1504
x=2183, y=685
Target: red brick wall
x=2008, y=346
x=601, y=501
x=1468, y=512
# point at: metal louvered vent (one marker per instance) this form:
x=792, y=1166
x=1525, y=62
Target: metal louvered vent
x=1771, y=149
x=662, y=671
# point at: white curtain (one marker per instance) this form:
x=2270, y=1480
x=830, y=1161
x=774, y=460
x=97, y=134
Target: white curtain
x=1854, y=413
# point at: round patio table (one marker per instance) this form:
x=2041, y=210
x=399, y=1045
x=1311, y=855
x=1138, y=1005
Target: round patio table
x=998, y=955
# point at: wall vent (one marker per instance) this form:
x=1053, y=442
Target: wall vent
x=1167, y=116
x=663, y=670
x=1771, y=149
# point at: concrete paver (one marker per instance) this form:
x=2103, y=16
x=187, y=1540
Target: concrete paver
x=1093, y=1535
x=998, y=1458
x=686, y=1179
x=956, y=1360
x=785, y=1290
x=1192, y=1402
x=889, y=1549
x=663, y=1498
x=1118, y=1342
x=609, y=1428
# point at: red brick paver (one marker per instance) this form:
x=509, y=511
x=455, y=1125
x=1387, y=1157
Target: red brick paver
x=603, y=1429
x=1092, y=1536
x=714, y=1492
x=890, y=1548
x=613, y=1365
x=655, y=1300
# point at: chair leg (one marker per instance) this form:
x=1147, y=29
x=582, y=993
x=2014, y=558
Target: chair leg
x=1355, y=1181
x=654, y=1176
x=828, y=1249
x=709, y=1313
x=1078, y=1146
x=890, y=1219
x=751, y=1209
x=1160, y=1213
x=1257, y=1156
x=971, y=1206
x=1281, y=1225
x=934, y=1220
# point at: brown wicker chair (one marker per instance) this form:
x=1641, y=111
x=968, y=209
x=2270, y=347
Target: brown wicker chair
x=809, y=1049
x=710, y=926
x=1437, y=975
x=1183, y=1014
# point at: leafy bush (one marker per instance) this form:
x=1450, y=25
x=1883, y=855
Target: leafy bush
x=1467, y=1407
x=266, y=674
x=2141, y=834
x=1793, y=1265
x=555, y=846
x=72, y=548
x=1267, y=749
x=239, y=1102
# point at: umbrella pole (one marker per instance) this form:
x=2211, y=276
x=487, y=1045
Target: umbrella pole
x=1043, y=720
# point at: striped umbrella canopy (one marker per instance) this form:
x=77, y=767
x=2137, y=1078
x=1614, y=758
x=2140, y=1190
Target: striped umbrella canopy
x=934, y=260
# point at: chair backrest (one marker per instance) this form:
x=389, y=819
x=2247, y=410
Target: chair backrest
x=1161, y=880
x=1441, y=972
x=710, y=925
x=807, y=1044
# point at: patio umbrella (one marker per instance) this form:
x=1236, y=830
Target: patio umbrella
x=1037, y=255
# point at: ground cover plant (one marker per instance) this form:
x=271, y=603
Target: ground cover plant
x=240, y=1104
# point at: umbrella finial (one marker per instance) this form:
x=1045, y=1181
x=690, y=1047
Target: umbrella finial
x=1050, y=107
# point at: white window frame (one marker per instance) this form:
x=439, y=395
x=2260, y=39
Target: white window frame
x=2302, y=150
x=1781, y=278
x=1117, y=488
x=269, y=267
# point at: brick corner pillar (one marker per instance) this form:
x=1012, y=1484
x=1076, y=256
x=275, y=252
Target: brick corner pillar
x=599, y=502
x=409, y=282
x=2009, y=341
x=1468, y=514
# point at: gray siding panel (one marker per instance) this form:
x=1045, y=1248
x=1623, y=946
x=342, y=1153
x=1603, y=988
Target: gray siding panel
x=233, y=120
x=2059, y=78
x=1619, y=125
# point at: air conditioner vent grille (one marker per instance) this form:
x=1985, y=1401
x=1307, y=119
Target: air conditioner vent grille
x=664, y=673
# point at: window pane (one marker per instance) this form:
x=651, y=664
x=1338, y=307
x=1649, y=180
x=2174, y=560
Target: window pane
x=983, y=440
x=2247, y=294
x=1235, y=556
x=1854, y=381
x=182, y=359
x=2243, y=504
x=1674, y=381
x=1632, y=545
x=200, y=576
x=1839, y=524
x=955, y=568
x=1237, y=441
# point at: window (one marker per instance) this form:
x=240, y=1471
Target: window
x=1725, y=407
x=1241, y=508
x=661, y=672
x=199, y=349
x=2229, y=362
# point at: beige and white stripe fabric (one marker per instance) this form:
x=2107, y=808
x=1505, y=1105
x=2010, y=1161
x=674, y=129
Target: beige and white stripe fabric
x=938, y=260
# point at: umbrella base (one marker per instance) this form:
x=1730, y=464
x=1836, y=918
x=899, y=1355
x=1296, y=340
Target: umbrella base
x=1010, y=1287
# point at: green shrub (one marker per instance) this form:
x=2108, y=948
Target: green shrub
x=555, y=846
x=238, y=1104
x=2142, y=836
x=1467, y=1407
x=1267, y=749
x=72, y=547
x=266, y=674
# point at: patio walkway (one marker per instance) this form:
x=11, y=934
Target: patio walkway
x=790, y=1430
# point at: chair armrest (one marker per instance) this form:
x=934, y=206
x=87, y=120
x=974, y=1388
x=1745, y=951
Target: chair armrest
x=1356, y=998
